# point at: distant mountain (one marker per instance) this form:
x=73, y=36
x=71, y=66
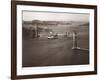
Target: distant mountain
x=39, y=22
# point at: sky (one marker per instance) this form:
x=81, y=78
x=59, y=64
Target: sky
x=54, y=16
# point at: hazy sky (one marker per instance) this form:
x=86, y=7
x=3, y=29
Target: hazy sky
x=54, y=16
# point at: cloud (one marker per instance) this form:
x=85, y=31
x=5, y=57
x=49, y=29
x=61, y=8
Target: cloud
x=54, y=16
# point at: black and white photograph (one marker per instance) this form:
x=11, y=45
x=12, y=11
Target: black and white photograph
x=54, y=38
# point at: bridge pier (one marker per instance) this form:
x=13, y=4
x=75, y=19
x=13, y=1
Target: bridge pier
x=75, y=44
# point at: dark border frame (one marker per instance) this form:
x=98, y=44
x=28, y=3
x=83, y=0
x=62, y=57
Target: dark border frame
x=14, y=75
